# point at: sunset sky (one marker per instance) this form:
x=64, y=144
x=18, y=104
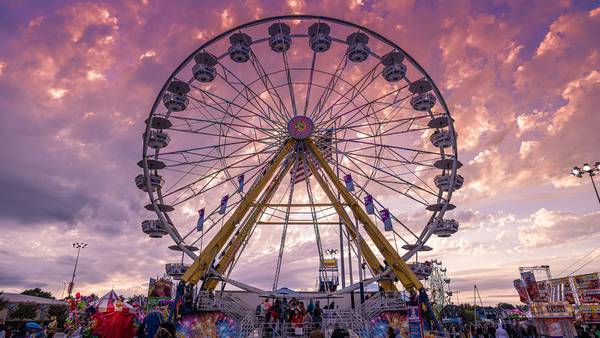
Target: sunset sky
x=77, y=80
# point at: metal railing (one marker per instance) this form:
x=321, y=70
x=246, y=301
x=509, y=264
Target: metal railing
x=381, y=302
x=355, y=322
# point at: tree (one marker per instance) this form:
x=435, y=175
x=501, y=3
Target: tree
x=37, y=292
x=25, y=311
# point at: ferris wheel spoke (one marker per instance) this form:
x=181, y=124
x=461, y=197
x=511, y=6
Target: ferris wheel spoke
x=396, y=122
x=413, y=172
x=399, y=162
x=257, y=99
x=310, y=82
x=381, y=206
x=370, y=105
x=211, y=147
x=329, y=87
x=358, y=171
x=269, y=86
x=400, y=179
x=212, y=176
x=205, y=124
x=361, y=140
x=208, y=187
x=289, y=82
x=262, y=116
x=208, y=158
x=355, y=89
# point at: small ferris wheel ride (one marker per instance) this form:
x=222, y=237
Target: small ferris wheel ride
x=438, y=285
x=299, y=121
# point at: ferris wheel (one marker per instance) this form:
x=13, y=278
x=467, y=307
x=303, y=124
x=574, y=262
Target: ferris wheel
x=438, y=284
x=301, y=121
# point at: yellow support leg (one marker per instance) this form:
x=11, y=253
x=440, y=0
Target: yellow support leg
x=245, y=229
x=400, y=268
x=198, y=269
x=366, y=251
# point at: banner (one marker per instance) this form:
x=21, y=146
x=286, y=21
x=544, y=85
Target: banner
x=200, y=223
x=588, y=288
x=349, y=182
x=590, y=313
x=386, y=219
x=223, y=206
x=241, y=183
x=369, y=206
x=518, y=284
x=531, y=286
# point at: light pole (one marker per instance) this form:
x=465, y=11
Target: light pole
x=332, y=252
x=77, y=246
x=590, y=170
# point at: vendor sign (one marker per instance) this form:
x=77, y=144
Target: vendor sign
x=588, y=288
x=590, y=313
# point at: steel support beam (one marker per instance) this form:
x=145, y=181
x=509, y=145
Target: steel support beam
x=199, y=268
x=246, y=228
x=400, y=268
x=370, y=257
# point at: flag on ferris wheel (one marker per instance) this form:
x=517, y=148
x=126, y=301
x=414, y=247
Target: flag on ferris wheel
x=241, y=183
x=349, y=182
x=386, y=219
x=223, y=206
x=200, y=224
x=324, y=144
x=369, y=206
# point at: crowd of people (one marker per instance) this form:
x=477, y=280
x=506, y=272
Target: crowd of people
x=588, y=331
x=489, y=329
x=283, y=318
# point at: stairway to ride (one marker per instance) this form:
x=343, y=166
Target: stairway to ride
x=232, y=307
x=382, y=302
x=352, y=321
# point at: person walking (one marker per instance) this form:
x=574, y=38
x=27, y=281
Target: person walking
x=501, y=332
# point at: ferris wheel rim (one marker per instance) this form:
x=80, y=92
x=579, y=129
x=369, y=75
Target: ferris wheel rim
x=435, y=216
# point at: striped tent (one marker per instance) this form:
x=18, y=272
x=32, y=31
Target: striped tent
x=110, y=302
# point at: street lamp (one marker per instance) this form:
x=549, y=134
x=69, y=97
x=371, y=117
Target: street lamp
x=332, y=252
x=590, y=170
x=77, y=246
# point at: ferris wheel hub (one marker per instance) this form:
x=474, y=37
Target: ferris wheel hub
x=300, y=127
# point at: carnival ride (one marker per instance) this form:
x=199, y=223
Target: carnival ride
x=294, y=121
x=438, y=285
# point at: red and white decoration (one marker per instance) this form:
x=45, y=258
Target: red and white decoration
x=110, y=302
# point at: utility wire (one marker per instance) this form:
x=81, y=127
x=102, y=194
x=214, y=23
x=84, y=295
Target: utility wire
x=588, y=262
x=579, y=260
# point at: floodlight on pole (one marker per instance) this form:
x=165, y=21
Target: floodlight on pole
x=591, y=171
x=78, y=246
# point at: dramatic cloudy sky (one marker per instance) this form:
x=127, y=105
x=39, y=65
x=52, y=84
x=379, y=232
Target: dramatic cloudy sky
x=78, y=78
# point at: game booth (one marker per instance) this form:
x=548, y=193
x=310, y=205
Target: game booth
x=557, y=304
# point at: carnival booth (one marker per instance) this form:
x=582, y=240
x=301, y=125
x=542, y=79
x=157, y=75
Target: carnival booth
x=557, y=304
x=114, y=317
x=554, y=319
